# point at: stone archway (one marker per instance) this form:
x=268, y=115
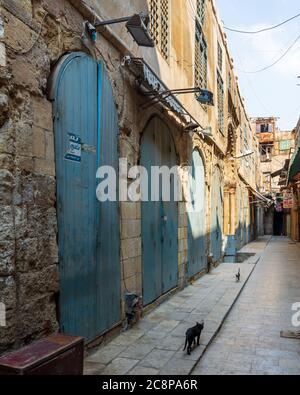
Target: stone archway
x=86, y=137
x=159, y=217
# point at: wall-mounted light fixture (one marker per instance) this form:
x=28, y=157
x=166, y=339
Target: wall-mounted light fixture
x=207, y=132
x=91, y=31
x=137, y=26
x=244, y=154
x=156, y=92
x=194, y=128
x=191, y=127
x=205, y=97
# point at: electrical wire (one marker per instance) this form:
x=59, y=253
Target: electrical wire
x=262, y=30
x=26, y=51
x=274, y=63
x=249, y=82
x=296, y=111
x=255, y=32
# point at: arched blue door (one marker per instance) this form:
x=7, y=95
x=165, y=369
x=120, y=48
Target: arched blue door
x=240, y=211
x=86, y=130
x=246, y=211
x=196, y=216
x=216, y=215
x=159, y=218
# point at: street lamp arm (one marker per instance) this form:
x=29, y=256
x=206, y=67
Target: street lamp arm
x=137, y=26
x=244, y=155
x=112, y=21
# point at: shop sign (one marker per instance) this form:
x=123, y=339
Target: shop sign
x=288, y=200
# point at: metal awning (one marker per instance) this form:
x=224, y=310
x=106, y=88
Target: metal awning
x=282, y=182
x=295, y=163
x=151, y=86
x=263, y=199
x=147, y=78
x=282, y=172
x=277, y=173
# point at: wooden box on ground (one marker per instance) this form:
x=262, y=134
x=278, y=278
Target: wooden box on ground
x=54, y=355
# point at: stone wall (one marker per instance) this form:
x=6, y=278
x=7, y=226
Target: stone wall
x=28, y=250
x=35, y=34
x=29, y=282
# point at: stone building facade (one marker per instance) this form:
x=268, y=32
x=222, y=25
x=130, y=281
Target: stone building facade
x=294, y=187
x=191, y=50
x=276, y=148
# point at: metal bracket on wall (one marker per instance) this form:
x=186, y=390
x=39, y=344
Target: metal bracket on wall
x=163, y=95
x=153, y=88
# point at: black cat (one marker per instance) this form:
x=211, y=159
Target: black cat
x=191, y=335
x=238, y=276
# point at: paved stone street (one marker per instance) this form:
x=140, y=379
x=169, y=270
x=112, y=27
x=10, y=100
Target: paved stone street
x=249, y=341
x=155, y=345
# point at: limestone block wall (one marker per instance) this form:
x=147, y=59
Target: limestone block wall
x=131, y=251
x=28, y=249
x=34, y=34
x=182, y=243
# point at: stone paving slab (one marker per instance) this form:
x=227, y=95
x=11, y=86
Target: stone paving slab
x=249, y=341
x=155, y=345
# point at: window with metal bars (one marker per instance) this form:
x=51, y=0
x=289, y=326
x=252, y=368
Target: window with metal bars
x=200, y=59
x=246, y=137
x=220, y=89
x=201, y=10
x=241, y=141
x=159, y=25
x=220, y=57
x=229, y=82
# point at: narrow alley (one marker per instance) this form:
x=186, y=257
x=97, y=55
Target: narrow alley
x=149, y=188
x=249, y=341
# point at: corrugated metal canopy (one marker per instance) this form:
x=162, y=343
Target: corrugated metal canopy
x=282, y=173
x=295, y=162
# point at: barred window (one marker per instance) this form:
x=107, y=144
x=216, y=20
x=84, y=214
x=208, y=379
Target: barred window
x=201, y=10
x=229, y=81
x=159, y=25
x=241, y=140
x=245, y=137
x=220, y=88
x=200, y=59
x=220, y=57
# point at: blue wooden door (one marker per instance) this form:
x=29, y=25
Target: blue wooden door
x=159, y=218
x=240, y=231
x=216, y=215
x=88, y=231
x=196, y=216
x=246, y=211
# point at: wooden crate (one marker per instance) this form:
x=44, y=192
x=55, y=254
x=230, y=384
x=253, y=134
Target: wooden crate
x=54, y=355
